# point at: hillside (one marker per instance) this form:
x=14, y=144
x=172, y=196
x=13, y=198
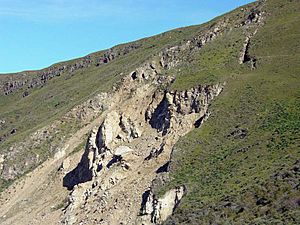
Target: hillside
x=198, y=125
x=33, y=100
x=242, y=165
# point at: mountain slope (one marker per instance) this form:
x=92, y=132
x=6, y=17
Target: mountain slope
x=242, y=165
x=199, y=125
x=51, y=93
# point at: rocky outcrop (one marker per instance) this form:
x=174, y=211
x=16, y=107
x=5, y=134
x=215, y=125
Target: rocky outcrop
x=135, y=140
x=175, y=104
x=129, y=128
x=146, y=120
x=1, y=162
x=51, y=137
x=146, y=72
x=100, y=145
x=173, y=56
x=156, y=210
x=12, y=86
x=108, y=131
x=245, y=56
x=254, y=16
x=144, y=123
x=254, y=21
x=160, y=116
x=39, y=78
x=137, y=134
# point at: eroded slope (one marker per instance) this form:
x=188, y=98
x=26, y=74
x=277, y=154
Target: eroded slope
x=113, y=163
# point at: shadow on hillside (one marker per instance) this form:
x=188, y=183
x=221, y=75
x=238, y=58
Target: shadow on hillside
x=80, y=174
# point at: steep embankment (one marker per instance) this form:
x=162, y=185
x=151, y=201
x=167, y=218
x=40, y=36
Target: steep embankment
x=242, y=166
x=33, y=126
x=201, y=127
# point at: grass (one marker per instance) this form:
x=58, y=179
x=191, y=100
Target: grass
x=62, y=205
x=242, y=165
x=51, y=101
x=58, y=96
x=250, y=179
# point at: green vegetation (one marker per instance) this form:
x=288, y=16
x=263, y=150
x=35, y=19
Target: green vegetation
x=51, y=101
x=4, y=184
x=62, y=205
x=58, y=96
x=242, y=165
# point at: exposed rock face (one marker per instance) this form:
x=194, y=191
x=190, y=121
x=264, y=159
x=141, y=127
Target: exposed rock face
x=255, y=16
x=109, y=130
x=252, y=23
x=133, y=142
x=245, y=56
x=160, y=118
x=91, y=108
x=1, y=162
x=81, y=114
x=172, y=57
x=12, y=86
x=129, y=128
x=126, y=151
x=122, y=150
x=136, y=140
x=149, y=70
x=157, y=210
x=177, y=104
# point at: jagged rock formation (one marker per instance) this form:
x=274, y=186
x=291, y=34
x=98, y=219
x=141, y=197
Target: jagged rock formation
x=82, y=114
x=165, y=116
x=128, y=150
x=168, y=58
x=134, y=140
x=253, y=22
x=157, y=210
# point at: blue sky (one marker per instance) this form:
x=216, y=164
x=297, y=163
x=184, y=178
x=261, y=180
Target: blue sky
x=37, y=33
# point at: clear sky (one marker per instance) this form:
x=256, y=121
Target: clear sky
x=37, y=33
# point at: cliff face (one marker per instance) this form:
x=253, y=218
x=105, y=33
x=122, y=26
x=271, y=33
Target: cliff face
x=181, y=123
